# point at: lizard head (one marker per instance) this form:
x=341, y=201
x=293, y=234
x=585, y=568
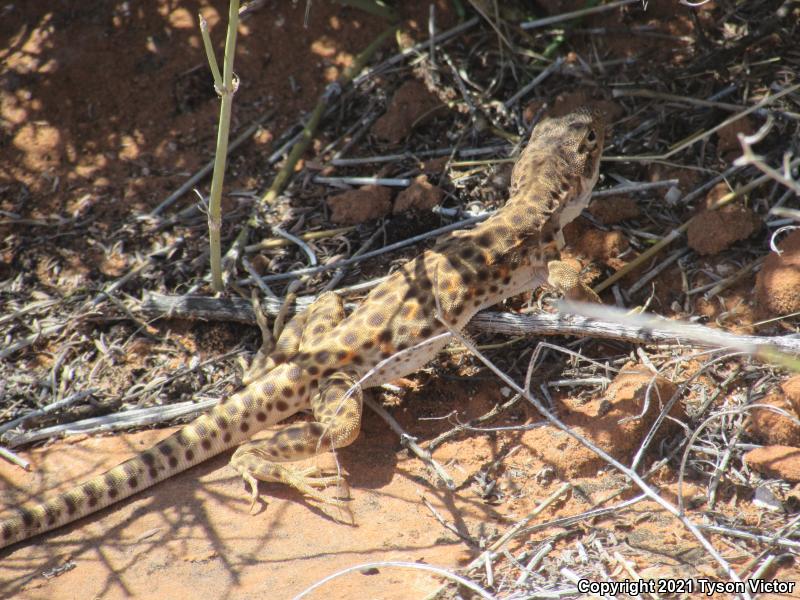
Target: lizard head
x=576, y=140
x=560, y=165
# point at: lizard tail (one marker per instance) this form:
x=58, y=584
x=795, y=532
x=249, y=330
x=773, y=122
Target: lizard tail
x=227, y=424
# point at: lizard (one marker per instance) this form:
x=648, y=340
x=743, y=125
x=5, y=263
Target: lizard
x=323, y=359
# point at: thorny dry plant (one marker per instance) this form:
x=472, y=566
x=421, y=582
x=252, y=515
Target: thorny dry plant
x=734, y=62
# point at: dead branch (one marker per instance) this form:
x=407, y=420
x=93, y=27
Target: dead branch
x=239, y=310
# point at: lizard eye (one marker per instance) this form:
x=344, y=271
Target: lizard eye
x=591, y=137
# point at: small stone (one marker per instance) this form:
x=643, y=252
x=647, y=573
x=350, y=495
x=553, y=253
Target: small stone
x=672, y=196
x=766, y=499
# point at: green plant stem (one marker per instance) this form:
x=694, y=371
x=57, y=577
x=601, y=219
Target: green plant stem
x=226, y=89
x=212, y=60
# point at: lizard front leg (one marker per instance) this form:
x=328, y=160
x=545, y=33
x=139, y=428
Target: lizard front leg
x=567, y=280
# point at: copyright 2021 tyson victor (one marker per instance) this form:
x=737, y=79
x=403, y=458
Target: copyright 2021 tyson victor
x=709, y=587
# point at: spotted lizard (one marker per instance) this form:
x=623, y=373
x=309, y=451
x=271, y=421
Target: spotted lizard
x=323, y=359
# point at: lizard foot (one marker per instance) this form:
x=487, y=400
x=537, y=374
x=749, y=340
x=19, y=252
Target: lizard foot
x=564, y=278
x=306, y=480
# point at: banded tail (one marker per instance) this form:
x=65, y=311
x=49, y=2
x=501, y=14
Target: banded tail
x=228, y=424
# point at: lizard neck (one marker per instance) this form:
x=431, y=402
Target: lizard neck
x=513, y=232
x=542, y=201
x=518, y=221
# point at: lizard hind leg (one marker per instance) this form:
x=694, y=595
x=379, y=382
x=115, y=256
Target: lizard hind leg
x=320, y=317
x=323, y=316
x=337, y=410
x=273, y=352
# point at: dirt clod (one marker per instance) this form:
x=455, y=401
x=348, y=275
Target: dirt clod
x=778, y=282
x=594, y=243
x=420, y=195
x=410, y=106
x=770, y=427
x=614, y=209
x=628, y=394
x=615, y=421
x=356, y=206
x=434, y=166
x=775, y=461
x=713, y=231
x=728, y=145
x=791, y=389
